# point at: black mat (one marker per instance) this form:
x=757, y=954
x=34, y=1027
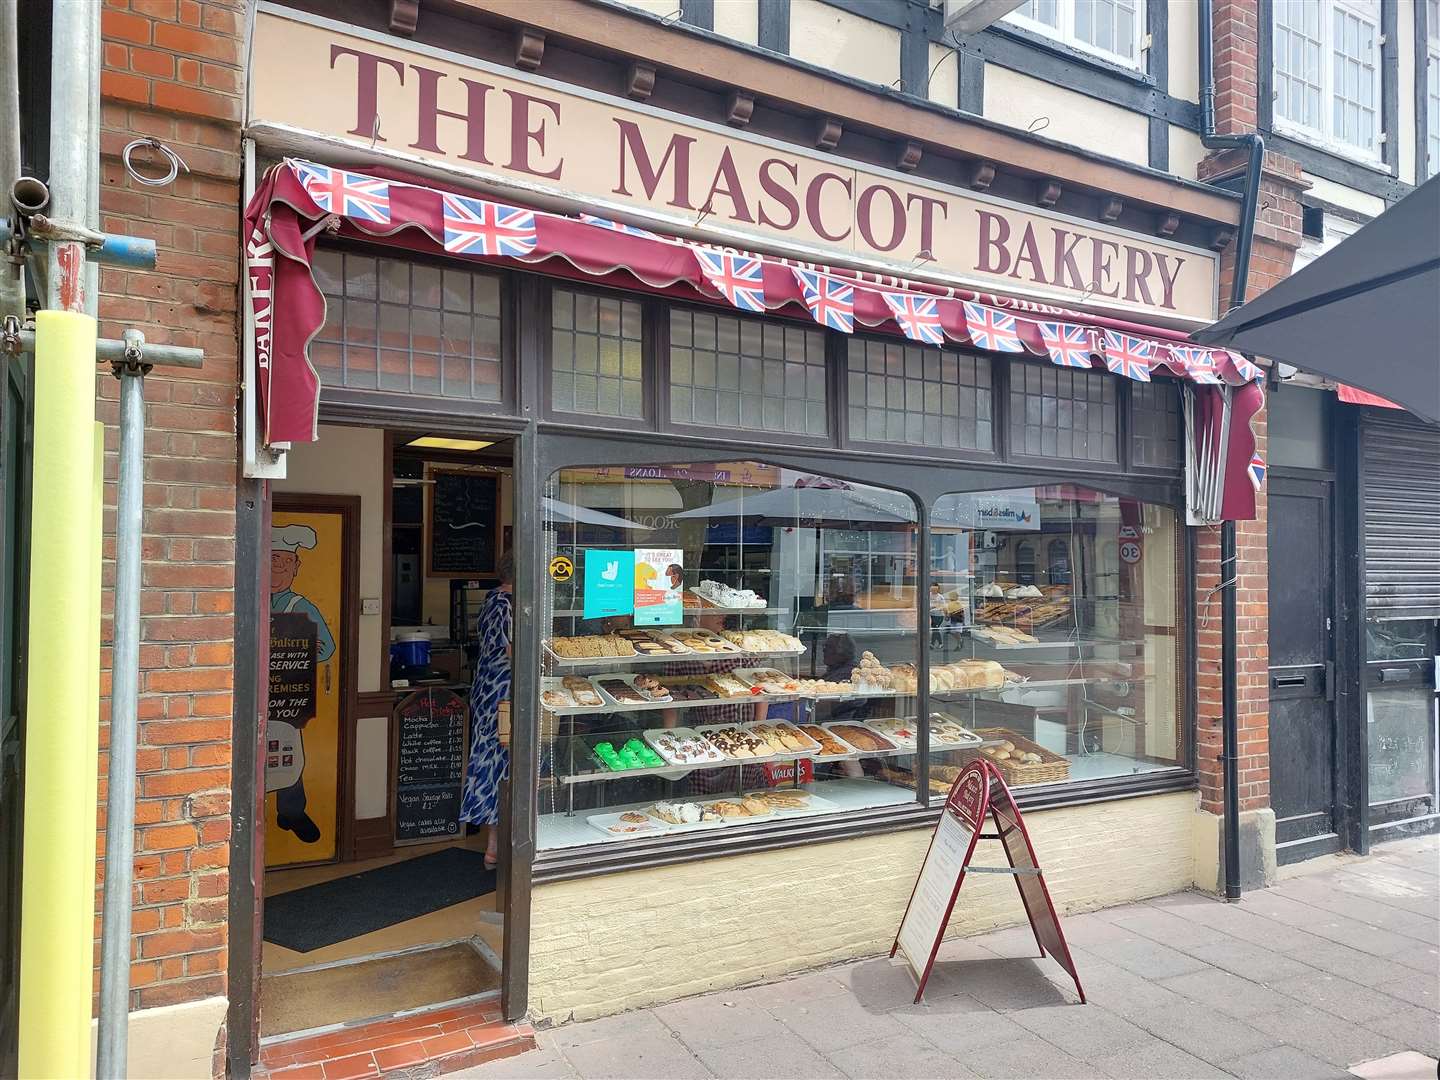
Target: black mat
x=320, y=915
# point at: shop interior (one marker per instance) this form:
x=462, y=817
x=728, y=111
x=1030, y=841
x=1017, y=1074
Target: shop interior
x=379, y=896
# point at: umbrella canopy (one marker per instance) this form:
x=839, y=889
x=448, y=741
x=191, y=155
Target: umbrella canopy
x=1366, y=313
x=580, y=515
x=804, y=505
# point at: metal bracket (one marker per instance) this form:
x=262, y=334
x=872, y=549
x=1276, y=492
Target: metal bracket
x=121, y=354
x=132, y=361
x=1034, y=872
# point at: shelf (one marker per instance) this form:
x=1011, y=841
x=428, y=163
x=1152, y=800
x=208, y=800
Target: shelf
x=572, y=662
x=579, y=613
x=657, y=706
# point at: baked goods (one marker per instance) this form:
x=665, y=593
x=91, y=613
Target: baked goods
x=872, y=675
x=823, y=687
x=633, y=754
x=736, y=742
x=651, y=687
x=556, y=699
x=682, y=813
x=669, y=643
x=763, y=641
x=729, y=686
x=622, y=691
x=783, y=738
x=862, y=738
x=722, y=595
x=703, y=641
x=968, y=675
x=830, y=744
x=770, y=681
x=690, y=690
x=581, y=691
x=902, y=732
x=1024, y=592
x=992, y=591
x=643, y=643
x=743, y=808
x=945, y=731
x=633, y=827
x=782, y=798
x=683, y=746
x=633, y=816
x=591, y=646
x=1004, y=635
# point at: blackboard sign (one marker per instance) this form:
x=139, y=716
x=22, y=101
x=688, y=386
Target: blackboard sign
x=430, y=764
x=463, y=524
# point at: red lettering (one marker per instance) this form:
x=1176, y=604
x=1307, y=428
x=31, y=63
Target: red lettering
x=367, y=87
x=1137, y=275
x=994, y=232
x=927, y=218
x=678, y=149
x=1067, y=270
x=1029, y=252
x=783, y=195
x=1101, y=267
x=1167, y=280
x=897, y=217
x=522, y=134
x=733, y=189
x=428, y=113
x=812, y=204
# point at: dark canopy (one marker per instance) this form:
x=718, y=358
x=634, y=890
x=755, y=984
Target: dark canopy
x=1366, y=313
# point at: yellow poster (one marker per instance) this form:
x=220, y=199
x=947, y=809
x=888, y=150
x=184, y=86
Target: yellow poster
x=302, y=732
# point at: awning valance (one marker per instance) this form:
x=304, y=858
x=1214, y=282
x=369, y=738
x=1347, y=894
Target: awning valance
x=297, y=200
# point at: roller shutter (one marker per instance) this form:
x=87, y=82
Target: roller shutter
x=1400, y=491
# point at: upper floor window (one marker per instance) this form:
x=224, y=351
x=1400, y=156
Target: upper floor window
x=1327, y=73
x=1110, y=29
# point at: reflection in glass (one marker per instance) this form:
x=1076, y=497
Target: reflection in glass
x=1400, y=731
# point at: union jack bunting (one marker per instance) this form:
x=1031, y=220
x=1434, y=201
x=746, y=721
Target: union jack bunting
x=738, y=278
x=830, y=300
x=478, y=227
x=352, y=195
x=618, y=226
x=1128, y=356
x=917, y=316
x=992, y=329
x=1198, y=363
x=1247, y=371
x=1256, y=470
x=1069, y=346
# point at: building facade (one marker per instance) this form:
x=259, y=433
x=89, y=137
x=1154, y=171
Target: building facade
x=587, y=387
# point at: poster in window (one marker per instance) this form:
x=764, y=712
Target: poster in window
x=659, y=584
x=609, y=583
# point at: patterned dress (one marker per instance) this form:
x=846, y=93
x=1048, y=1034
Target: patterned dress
x=489, y=761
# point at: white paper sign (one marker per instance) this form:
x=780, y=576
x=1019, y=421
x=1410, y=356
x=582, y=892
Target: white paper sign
x=939, y=878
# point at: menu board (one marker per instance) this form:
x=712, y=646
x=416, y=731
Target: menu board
x=463, y=524
x=935, y=890
x=430, y=764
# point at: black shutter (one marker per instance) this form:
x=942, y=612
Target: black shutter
x=1400, y=486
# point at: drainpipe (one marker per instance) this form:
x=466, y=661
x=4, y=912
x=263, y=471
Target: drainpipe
x=1230, y=709
x=12, y=278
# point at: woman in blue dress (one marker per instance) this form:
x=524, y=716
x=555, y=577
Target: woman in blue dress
x=490, y=761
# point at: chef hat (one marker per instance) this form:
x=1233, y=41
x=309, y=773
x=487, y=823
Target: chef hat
x=292, y=537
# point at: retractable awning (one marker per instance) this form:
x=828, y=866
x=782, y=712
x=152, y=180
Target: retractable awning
x=297, y=200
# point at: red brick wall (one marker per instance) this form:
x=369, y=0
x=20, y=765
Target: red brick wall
x=173, y=69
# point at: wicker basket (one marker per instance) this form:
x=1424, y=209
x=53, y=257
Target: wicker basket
x=1050, y=769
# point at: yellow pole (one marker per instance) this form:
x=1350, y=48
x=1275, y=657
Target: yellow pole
x=89, y=779
x=60, y=797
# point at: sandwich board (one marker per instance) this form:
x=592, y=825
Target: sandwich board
x=979, y=792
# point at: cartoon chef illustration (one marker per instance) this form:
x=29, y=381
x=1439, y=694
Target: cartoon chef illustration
x=300, y=641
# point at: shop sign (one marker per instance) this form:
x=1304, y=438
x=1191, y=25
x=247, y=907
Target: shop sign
x=561, y=568
x=546, y=138
x=783, y=772
x=609, y=583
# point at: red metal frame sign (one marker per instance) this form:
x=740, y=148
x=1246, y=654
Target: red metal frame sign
x=979, y=792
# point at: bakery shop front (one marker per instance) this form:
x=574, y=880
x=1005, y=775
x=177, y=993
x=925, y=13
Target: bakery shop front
x=824, y=478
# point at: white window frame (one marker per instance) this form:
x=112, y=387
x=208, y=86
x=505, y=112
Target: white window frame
x=1065, y=34
x=1430, y=162
x=1324, y=137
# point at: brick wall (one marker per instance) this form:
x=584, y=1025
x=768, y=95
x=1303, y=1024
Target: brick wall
x=172, y=69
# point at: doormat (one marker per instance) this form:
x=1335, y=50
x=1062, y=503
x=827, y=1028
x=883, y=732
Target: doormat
x=345, y=993
x=338, y=910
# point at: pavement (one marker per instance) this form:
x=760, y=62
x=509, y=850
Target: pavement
x=1335, y=966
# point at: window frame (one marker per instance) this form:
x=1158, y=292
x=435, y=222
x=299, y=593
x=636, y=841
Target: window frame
x=544, y=320
x=1324, y=138
x=1064, y=35
x=1427, y=163
x=1009, y=455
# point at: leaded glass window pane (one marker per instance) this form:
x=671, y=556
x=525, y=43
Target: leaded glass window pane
x=595, y=357
x=905, y=393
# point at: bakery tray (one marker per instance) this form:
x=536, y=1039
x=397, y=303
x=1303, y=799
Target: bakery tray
x=572, y=662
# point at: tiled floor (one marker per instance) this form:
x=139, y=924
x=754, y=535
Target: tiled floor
x=1333, y=968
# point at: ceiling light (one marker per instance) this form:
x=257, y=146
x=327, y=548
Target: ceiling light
x=438, y=442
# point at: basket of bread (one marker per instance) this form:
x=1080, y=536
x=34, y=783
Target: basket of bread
x=1021, y=761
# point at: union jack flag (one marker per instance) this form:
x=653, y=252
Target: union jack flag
x=1069, y=346
x=478, y=227
x=352, y=195
x=1256, y=470
x=738, y=278
x=917, y=316
x=618, y=226
x=1247, y=371
x=1129, y=356
x=1198, y=363
x=992, y=329
x=830, y=300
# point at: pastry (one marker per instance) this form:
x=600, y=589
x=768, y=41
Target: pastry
x=651, y=687
x=872, y=675
x=1031, y=759
x=736, y=742
x=631, y=815
x=729, y=686
x=782, y=798
x=755, y=807
x=830, y=745
x=581, y=690
x=722, y=595
x=824, y=687
x=631, y=828
x=683, y=746
x=622, y=691
x=690, y=690
x=556, y=699
x=904, y=734
x=678, y=813
x=863, y=739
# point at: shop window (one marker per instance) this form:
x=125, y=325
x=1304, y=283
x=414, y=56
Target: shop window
x=1327, y=73
x=745, y=374
x=412, y=328
x=736, y=645
x=1299, y=427
x=902, y=393
x=1063, y=413
x=1155, y=425
x=596, y=361
x=1090, y=684
x=1110, y=29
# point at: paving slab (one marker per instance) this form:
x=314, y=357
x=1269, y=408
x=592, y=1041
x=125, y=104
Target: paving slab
x=1412, y=1028
x=1206, y=1033
x=717, y=1019
x=1283, y=1063
x=901, y=1055
x=802, y=988
x=636, y=1023
x=1337, y=959
x=1325, y=1036
x=1347, y=1000
x=1008, y=984
x=833, y=1023
x=1406, y=1066
x=962, y=1036
x=776, y=1058
x=1149, y=959
x=1089, y=1033
x=1027, y=1057
x=643, y=1056
x=543, y=1064
x=1228, y=993
x=883, y=984
x=1250, y=962
x=1159, y=1061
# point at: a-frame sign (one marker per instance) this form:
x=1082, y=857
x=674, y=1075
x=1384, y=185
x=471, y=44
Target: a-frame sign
x=979, y=792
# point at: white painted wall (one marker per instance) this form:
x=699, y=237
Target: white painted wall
x=845, y=43
x=738, y=19
x=1184, y=28
x=1405, y=35
x=1339, y=195
x=1186, y=152
x=945, y=82
x=1018, y=100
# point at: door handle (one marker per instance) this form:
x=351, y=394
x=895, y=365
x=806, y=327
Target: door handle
x=1329, y=680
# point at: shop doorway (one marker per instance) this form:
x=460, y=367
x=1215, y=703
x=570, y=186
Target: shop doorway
x=1303, y=731
x=378, y=897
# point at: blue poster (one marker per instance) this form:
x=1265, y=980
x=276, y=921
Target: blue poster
x=609, y=583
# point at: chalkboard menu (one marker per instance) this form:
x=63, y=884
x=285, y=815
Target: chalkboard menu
x=463, y=524
x=1399, y=736
x=430, y=764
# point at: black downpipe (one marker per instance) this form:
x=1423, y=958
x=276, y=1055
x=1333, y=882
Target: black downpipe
x=1230, y=708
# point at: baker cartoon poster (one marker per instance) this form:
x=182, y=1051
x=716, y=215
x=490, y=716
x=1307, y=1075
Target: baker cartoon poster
x=302, y=731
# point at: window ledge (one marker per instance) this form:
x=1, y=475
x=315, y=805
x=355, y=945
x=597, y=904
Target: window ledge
x=1071, y=52
x=1330, y=146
